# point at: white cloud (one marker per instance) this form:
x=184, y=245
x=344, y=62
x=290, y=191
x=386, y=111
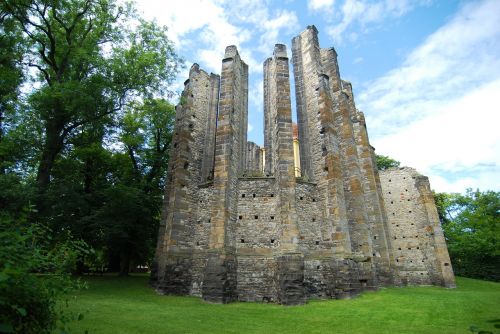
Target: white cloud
x=320, y=5
x=272, y=28
x=439, y=111
x=364, y=12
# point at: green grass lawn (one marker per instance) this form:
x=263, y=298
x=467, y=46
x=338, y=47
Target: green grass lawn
x=129, y=305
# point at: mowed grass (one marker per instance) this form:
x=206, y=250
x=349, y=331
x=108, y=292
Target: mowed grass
x=129, y=305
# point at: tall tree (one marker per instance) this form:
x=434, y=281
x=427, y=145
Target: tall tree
x=92, y=56
x=471, y=223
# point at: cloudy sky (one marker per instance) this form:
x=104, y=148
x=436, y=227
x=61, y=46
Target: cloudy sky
x=426, y=73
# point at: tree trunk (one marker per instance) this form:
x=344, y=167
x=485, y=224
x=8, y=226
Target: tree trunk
x=2, y=158
x=51, y=148
x=124, y=262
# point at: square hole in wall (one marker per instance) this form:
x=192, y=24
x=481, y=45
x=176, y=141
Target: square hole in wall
x=446, y=264
x=242, y=195
x=242, y=241
x=272, y=241
x=301, y=198
x=314, y=199
x=317, y=267
x=240, y=217
x=317, y=242
x=399, y=248
x=256, y=217
x=272, y=195
x=272, y=217
x=253, y=195
x=314, y=219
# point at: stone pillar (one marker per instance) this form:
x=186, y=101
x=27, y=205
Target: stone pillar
x=207, y=170
x=383, y=258
x=268, y=134
x=171, y=270
x=322, y=153
x=443, y=273
x=219, y=283
x=290, y=269
x=254, y=160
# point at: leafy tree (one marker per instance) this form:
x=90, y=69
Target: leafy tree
x=132, y=212
x=90, y=63
x=471, y=223
x=384, y=162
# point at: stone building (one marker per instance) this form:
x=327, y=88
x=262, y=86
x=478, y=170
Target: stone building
x=246, y=223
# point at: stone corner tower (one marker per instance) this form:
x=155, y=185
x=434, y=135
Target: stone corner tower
x=246, y=223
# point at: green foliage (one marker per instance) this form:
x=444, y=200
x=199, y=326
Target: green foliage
x=87, y=143
x=129, y=305
x=384, y=162
x=28, y=300
x=471, y=223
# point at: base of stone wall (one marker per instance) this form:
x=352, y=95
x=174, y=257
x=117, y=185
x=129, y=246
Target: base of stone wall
x=290, y=279
x=219, y=284
x=177, y=279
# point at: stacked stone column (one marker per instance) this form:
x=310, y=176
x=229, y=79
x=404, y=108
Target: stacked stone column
x=290, y=272
x=219, y=283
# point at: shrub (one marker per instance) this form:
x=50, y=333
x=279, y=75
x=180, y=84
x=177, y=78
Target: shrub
x=34, y=273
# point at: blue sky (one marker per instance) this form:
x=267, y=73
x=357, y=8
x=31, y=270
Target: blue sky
x=425, y=73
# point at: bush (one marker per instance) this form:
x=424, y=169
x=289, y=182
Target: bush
x=34, y=273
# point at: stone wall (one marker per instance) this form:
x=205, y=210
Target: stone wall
x=232, y=229
x=416, y=235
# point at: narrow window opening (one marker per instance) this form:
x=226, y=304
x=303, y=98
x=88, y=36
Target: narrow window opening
x=375, y=237
x=325, y=169
x=197, y=243
x=253, y=195
x=446, y=264
x=390, y=180
x=314, y=199
x=272, y=241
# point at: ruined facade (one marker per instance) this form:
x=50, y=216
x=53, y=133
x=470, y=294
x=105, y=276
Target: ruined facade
x=246, y=223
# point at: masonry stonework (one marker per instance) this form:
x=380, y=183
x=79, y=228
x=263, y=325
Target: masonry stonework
x=241, y=222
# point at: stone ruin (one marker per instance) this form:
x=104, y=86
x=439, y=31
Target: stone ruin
x=246, y=223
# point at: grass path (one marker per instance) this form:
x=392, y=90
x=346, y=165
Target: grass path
x=127, y=305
